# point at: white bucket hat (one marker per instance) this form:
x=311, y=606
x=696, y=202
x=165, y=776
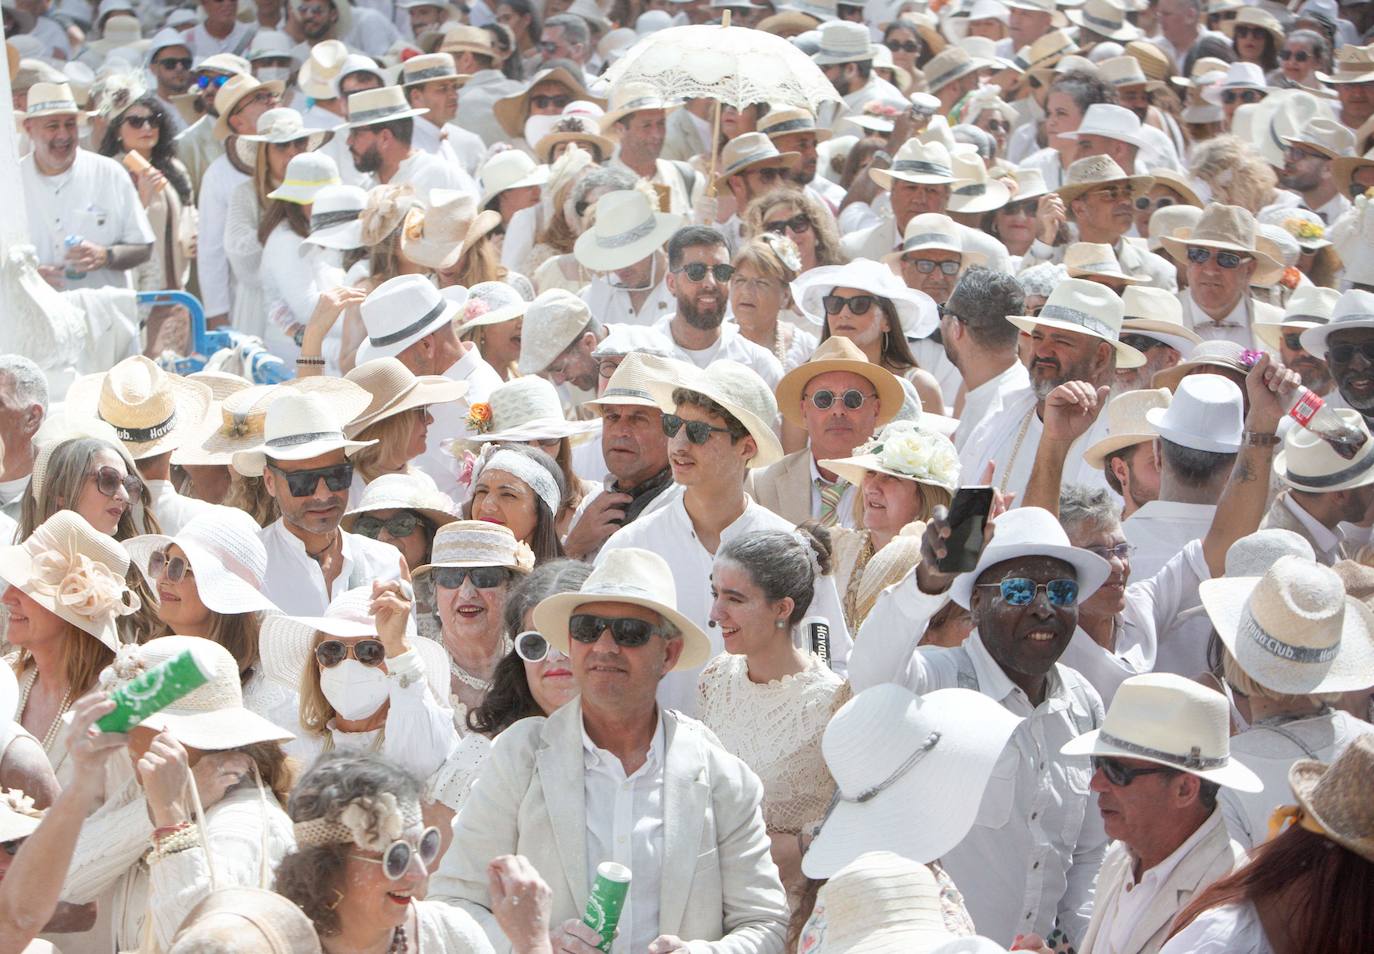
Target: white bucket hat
x=229, y=561
x=306, y=174
x=385, y=104
x=916, y=311
x=1127, y=424
x=627, y=229
x=1206, y=413
x=335, y=217
x=1089, y=259
x=892, y=752
x=632, y=576
x=879, y=902
x=1109, y=121
x=528, y=409
x=919, y=162
x=1310, y=306
x=738, y=389
x=489, y=303
x=404, y=492
x=843, y=42
x=1355, y=309
x=1171, y=721
x=1086, y=308
x=399, y=312
x=478, y=543
x=297, y=427
x=1032, y=531
x=1157, y=314
x=553, y=321
x=395, y=389
x=151, y=410
x=509, y=169
x=1238, y=76
x=1310, y=464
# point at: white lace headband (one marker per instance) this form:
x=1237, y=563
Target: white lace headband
x=810, y=552
x=370, y=822
x=513, y=462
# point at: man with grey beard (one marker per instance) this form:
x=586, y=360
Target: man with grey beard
x=699, y=272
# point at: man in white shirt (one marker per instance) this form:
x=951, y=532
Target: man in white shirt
x=197, y=145
x=381, y=131
x=1154, y=327
x=330, y=109
x=359, y=27
x=846, y=58
x=23, y=408
x=1347, y=345
x=169, y=63
x=795, y=130
x=614, y=776
x=981, y=344
x=219, y=30
x=475, y=55
x=1307, y=166
x=1180, y=29
x=637, y=118
x=431, y=81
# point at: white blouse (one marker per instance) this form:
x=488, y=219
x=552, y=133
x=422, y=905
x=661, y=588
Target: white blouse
x=1231, y=929
x=450, y=929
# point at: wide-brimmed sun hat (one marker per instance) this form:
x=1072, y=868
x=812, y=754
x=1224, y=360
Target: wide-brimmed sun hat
x=395, y=389
x=906, y=450
x=1343, y=169
x=893, y=752
x=973, y=191
x=738, y=389
x=575, y=128
x=278, y=125
x=1126, y=423
x=399, y=312
x=222, y=547
x=1354, y=64
x=151, y=410
x=1308, y=463
x=1354, y=309
x=1309, y=306
x=1093, y=172
x=433, y=237
x=916, y=311
x=306, y=174
x=950, y=64
x=879, y=902
x=75, y=572
x=628, y=229
x=1087, y=308
x=18, y=817
x=838, y=354
x=404, y=492
x=1209, y=354
x=478, y=543
x=528, y=409
x=510, y=169
x=1206, y=413
x=1238, y=76
x=1227, y=228
x=297, y=426
x=512, y=111
x=1032, y=531
x=1336, y=796
x=637, y=578
x=1168, y=720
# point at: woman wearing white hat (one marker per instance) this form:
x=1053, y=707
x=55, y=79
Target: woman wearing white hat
x=206, y=797
x=760, y=295
x=521, y=488
x=491, y=318
x=404, y=510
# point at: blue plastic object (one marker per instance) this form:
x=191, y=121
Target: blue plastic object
x=263, y=367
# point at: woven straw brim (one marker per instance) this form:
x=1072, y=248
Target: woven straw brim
x=424, y=390
x=191, y=401
x=1138, y=185
x=367, y=351
x=598, y=258
x=1096, y=455
x=891, y=395
x=1231, y=775
x=769, y=447
x=1126, y=356
x=889, y=565
x=1304, y=776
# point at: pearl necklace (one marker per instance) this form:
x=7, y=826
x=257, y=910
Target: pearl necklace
x=51, y=736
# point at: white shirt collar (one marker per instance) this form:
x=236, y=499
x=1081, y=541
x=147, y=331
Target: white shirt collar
x=1160, y=873
x=596, y=757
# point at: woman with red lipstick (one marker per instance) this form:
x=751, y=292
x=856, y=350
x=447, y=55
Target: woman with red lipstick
x=522, y=489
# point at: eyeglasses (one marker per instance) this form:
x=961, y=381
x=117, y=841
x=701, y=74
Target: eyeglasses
x=171, y=569
x=483, y=577
x=261, y=96
x=1297, y=153
x=532, y=646
x=698, y=432
x=998, y=126
x=1121, y=551
x=904, y=46
x=1120, y=775
x=138, y=122
x=1201, y=256
x=302, y=483
x=547, y=102
x=1141, y=342
x=11, y=848
x=205, y=82
x=402, y=524
x=799, y=224
x=857, y=305
x=1112, y=193
x=1300, y=56
x=1019, y=591
x=696, y=271
x=108, y=481
x=1231, y=96
x=627, y=631
x=174, y=62
x=1343, y=353
x=927, y=265
x=331, y=652
x=396, y=859
x=853, y=399
x=1146, y=204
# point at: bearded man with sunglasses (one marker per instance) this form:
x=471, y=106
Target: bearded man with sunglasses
x=614, y=776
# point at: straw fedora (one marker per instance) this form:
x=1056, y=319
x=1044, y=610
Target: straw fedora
x=1030, y=184
x=1172, y=179
x=51, y=99
x=306, y=175
x=627, y=229
x=1310, y=464
x=1032, y=531
x=1310, y=306
x=235, y=90
x=1168, y=720
x=335, y=217
x=18, y=817
x=529, y=409
x=321, y=69
x=842, y=41
x=908, y=450
x=1049, y=47
x=385, y=104
x=1104, y=18
x=889, y=750
x=229, y=561
x=1087, y=308
x=1226, y=355
x=919, y=162
x=1123, y=71
x=297, y=426
x=509, y=169
x=916, y=311
x=430, y=68
x=634, y=577
x=1127, y=424
x=74, y=572
x=280, y=124
x=628, y=384
x=1087, y=174
x=266, y=45
x=286, y=643
x=489, y=303
x=753, y=149
x=838, y=354
x=1096, y=260
x=395, y=389
x=785, y=120
x=221, y=383
x=512, y=111
x=1294, y=629
x=399, y=312
x=433, y=237
x=1206, y=413
x=1354, y=309
x=1354, y=64
x=1225, y=228
x=633, y=97
x=1109, y=121
x=933, y=231
x=1336, y=796
x=153, y=412
x=1169, y=220
x=1343, y=169
x=414, y=492
x=461, y=38
x=553, y=321
x=1258, y=17
x=950, y=64
x=583, y=130
x=477, y=543
x=973, y=191
x=738, y=389
x=879, y=902
x=1326, y=136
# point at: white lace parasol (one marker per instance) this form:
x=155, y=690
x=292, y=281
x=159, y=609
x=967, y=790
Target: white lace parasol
x=733, y=65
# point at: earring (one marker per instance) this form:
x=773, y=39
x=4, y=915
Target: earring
x=780, y=624
x=884, y=342
x=338, y=899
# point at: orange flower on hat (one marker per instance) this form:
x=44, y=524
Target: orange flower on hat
x=479, y=417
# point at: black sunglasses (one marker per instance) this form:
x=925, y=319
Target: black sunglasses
x=853, y=399
x=1144, y=202
x=1140, y=342
x=544, y=102
x=11, y=848
x=1201, y=256
x=174, y=62
x=108, y=481
x=627, y=631
x=483, y=577
x=331, y=652
x=1300, y=55
x=1231, y=96
x=302, y=483
x=1024, y=207
x=1292, y=340
x=1244, y=31
x=696, y=271
x=904, y=46
x=1343, y=353
x=402, y=524
x=138, y=122
x=698, y=432
x=857, y=305
x=531, y=646
x=799, y=224
x=171, y=569
x=1120, y=775
x=998, y=125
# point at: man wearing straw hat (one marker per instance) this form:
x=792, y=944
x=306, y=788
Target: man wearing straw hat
x=1127, y=454
x=1307, y=166
x=637, y=116
x=614, y=776
x=381, y=132
x=432, y=81
x=625, y=246
x=1153, y=326
x=846, y=58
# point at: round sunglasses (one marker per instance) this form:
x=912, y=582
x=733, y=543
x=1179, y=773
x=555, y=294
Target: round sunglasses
x=171, y=569
x=1300, y=56
x=1201, y=256
x=696, y=271
x=331, y=652
x=532, y=647
x=824, y=399
x=396, y=859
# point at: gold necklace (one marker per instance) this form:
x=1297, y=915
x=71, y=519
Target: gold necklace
x=51, y=735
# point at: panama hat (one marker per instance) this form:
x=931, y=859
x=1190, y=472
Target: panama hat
x=1172, y=179
x=1093, y=171
x=1030, y=184
x=512, y=111
x=151, y=410
x=842, y=41
x=235, y=90
x=1032, y=531
x=404, y=492
x=879, y=902
x=489, y=303
x=1354, y=309
x=321, y=69
x=1354, y=64
x=1226, y=228
x=461, y=38
x=1343, y=169
x=1047, y=48
x=633, y=97
x=297, y=426
x=1087, y=308
x=1206, y=413
x=632, y=576
x=394, y=389
x=51, y=99
x=932, y=231
x=786, y=120
x=266, y=45
x=1104, y=18
x=509, y=169
x=574, y=128
x=1209, y=354
x=1127, y=424
x=1326, y=136
x=399, y=312
x=385, y=104
x=529, y=409
x=916, y=311
x=838, y=354
x=1096, y=260
x=736, y=388
x=1123, y=71
x=306, y=174
x=1308, y=463
x=221, y=383
x=433, y=237
x=553, y=321
x=1109, y=121
x=751, y=149
x=1309, y=306
x=892, y=751
x=950, y=64
x=1168, y=720
x=286, y=644
x=335, y=217
x=919, y=162
x=281, y=124
x=1169, y=221
x=1255, y=16
x=627, y=229
x=1238, y=76
x=908, y=450
x=229, y=561
x=478, y=543
x=973, y=191
x=430, y=68
x=628, y=384
x=1336, y=796
x=74, y=572
x=1294, y=629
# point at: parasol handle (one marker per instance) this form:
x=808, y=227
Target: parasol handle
x=715, y=128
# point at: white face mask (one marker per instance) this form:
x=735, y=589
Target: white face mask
x=354, y=690
x=269, y=73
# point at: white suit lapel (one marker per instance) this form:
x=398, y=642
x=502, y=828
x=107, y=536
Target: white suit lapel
x=686, y=798
x=559, y=763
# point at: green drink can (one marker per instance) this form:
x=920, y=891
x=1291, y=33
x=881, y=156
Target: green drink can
x=606, y=901
x=154, y=690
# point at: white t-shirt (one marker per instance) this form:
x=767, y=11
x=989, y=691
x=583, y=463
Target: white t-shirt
x=730, y=345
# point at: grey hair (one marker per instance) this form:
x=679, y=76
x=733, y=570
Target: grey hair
x=1321, y=52
x=30, y=383
x=979, y=138
x=612, y=178
x=555, y=576
x=1193, y=467
x=573, y=26
x=982, y=299
x=783, y=564
x=1081, y=506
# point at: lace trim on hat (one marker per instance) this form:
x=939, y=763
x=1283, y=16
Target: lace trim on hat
x=369, y=822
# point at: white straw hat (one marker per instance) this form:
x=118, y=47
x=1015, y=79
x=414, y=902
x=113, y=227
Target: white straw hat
x=404, y=492
x=306, y=174
x=933, y=231
x=633, y=97
x=1086, y=308
x=916, y=311
x=628, y=384
x=906, y=450
x=1097, y=259
x=385, y=104
x=973, y=190
x=632, y=576
x=528, y=409
x=1091, y=172
x=1206, y=413
x=880, y=902
x=478, y=543
x=1226, y=228
x=151, y=410
x=435, y=236
x=399, y=312
x=50, y=99
x=1172, y=721
x=509, y=169
x=279, y=125
x=429, y=68
x=297, y=426
x=843, y=42
x=627, y=229
x=1157, y=313
x=489, y=303
x=1126, y=423
x=1310, y=464
x=893, y=753
x=751, y=149
x=321, y=68
x=1032, y=531
x=1354, y=309
x=229, y=561
x=738, y=389
x=18, y=817
x=553, y=321
x=1238, y=76
x=395, y=389
x=1104, y=18
x=335, y=217
x=919, y=162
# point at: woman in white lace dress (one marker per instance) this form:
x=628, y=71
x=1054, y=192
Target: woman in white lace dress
x=767, y=700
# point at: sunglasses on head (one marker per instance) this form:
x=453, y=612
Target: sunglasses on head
x=302, y=483
x=532, y=647
x=1300, y=55
x=1120, y=775
x=696, y=271
x=175, y=62
x=402, y=524
x=1201, y=256
x=205, y=82
x=1344, y=353
x=698, y=432
x=545, y=102
x=1146, y=204
x=1019, y=591
x=483, y=577
x=927, y=265
x=853, y=399
x=171, y=569
x=904, y=46
x=799, y=224
x=627, y=631
x=857, y=305
x=108, y=481
x=396, y=859
x=1232, y=96
x=331, y=652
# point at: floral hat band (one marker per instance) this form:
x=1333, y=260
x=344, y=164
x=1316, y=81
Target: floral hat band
x=76, y=583
x=903, y=449
x=372, y=823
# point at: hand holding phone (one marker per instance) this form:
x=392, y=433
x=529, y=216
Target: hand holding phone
x=968, y=515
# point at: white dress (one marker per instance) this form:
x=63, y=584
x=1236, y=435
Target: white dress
x=775, y=728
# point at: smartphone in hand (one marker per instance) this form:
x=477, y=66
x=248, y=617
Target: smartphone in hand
x=968, y=515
